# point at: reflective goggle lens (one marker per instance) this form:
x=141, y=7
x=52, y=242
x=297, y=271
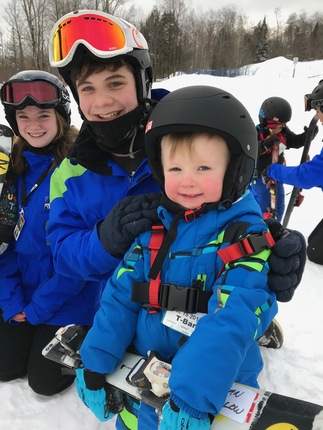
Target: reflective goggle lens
x=307, y=102
x=15, y=92
x=97, y=31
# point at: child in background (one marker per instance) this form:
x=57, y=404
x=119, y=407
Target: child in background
x=273, y=138
x=204, y=163
x=306, y=175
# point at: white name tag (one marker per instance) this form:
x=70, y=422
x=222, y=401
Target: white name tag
x=238, y=403
x=182, y=322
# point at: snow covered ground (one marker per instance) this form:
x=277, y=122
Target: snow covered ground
x=297, y=368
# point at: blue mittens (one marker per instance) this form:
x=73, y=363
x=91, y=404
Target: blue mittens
x=174, y=418
x=101, y=398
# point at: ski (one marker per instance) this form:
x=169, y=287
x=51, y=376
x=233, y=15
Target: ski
x=146, y=380
x=6, y=141
x=272, y=186
x=245, y=408
x=296, y=198
x=8, y=198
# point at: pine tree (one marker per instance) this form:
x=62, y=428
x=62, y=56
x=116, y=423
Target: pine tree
x=261, y=36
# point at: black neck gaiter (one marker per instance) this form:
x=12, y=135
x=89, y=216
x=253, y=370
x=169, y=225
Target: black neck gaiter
x=117, y=136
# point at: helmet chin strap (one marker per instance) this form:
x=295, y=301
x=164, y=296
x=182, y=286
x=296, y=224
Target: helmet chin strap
x=131, y=153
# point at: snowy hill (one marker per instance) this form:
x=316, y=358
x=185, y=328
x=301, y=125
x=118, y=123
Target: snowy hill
x=296, y=369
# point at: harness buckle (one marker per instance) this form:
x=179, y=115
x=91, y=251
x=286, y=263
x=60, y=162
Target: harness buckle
x=254, y=243
x=174, y=297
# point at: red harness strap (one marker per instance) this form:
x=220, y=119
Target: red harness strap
x=249, y=245
x=156, y=240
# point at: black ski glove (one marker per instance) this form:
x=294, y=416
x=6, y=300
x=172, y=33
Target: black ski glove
x=126, y=220
x=269, y=142
x=264, y=175
x=287, y=261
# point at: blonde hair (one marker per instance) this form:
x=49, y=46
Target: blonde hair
x=187, y=140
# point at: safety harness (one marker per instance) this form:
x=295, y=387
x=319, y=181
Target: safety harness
x=157, y=295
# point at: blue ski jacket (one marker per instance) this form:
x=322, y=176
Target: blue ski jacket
x=306, y=175
x=223, y=347
x=83, y=190
x=28, y=281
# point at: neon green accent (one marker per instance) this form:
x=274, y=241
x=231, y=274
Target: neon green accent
x=258, y=311
x=130, y=420
x=255, y=265
x=124, y=270
x=218, y=240
x=224, y=292
x=202, y=277
x=60, y=175
x=133, y=257
x=224, y=298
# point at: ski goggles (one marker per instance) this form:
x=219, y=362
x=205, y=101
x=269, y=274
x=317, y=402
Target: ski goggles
x=272, y=124
x=42, y=93
x=311, y=104
x=102, y=34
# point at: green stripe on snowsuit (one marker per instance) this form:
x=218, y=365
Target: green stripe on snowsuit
x=66, y=171
x=129, y=420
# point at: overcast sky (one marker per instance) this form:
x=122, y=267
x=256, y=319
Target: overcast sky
x=255, y=10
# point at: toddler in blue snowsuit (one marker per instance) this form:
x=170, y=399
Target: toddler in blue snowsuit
x=204, y=163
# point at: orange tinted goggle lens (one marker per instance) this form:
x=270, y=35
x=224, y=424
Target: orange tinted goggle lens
x=100, y=33
x=42, y=92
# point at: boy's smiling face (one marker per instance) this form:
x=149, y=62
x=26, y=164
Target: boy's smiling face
x=107, y=95
x=194, y=174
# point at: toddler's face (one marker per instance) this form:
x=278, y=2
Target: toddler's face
x=194, y=176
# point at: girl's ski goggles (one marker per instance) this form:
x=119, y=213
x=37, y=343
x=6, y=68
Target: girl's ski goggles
x=43, y=94
x=102, y=34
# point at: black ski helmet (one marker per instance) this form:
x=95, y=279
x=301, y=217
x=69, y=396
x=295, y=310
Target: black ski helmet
x=206, y=109
x=90, y=33
x=315, y=99
x=59, y=99
x=274, y=109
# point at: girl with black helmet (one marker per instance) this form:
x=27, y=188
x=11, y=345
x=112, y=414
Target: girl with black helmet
x=201, y=144
x=273, y=138
x=34, y=300
x=307, y=175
